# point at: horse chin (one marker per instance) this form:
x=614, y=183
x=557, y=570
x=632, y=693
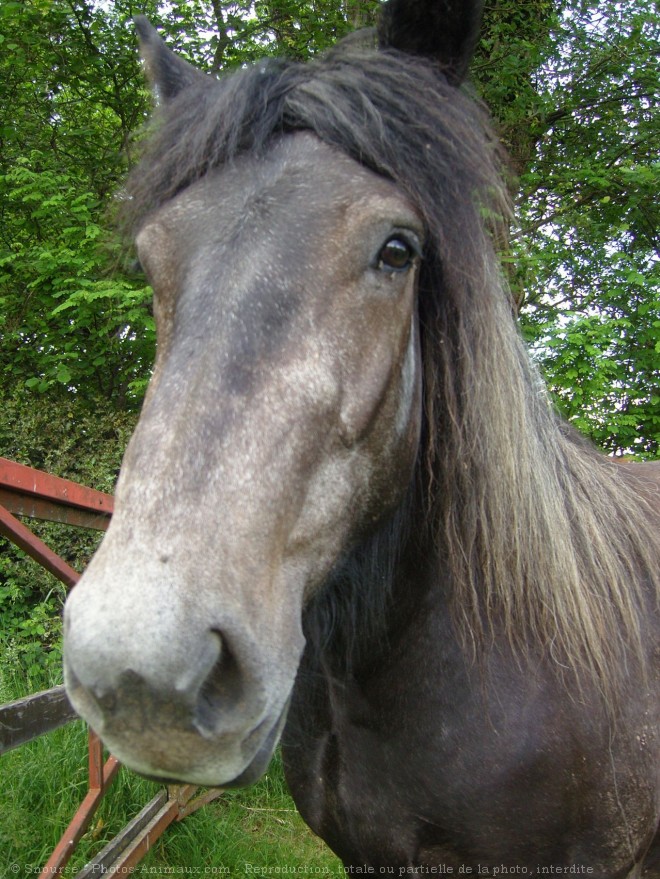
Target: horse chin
x=261, y=760
x=251, y=774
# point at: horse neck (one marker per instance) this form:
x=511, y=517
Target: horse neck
x=375, y=592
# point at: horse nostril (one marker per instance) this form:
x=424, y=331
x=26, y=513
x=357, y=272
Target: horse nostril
x=223, y=690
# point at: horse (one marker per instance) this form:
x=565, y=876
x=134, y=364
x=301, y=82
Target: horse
x=349, y=517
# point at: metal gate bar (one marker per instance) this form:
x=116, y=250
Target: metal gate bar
x=39, y=495
x=24, y=539
x=100, y=777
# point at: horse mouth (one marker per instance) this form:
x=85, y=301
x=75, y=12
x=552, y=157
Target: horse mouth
x=196, y=759
x=202, y=769
x=249, y=775
x=160, y=736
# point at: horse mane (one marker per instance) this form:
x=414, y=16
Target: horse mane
x=537, y=534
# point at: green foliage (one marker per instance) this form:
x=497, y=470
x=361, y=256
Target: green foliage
x=68, y=104
x=66, y=320
x=70, y=439
x=513, y=47
x=588, y=243
x=30, y=629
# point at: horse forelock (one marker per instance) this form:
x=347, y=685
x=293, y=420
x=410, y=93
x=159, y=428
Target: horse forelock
x=391, y=112
x=537, y=536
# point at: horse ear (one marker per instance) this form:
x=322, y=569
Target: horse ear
x=168, y=74
x=445, y=30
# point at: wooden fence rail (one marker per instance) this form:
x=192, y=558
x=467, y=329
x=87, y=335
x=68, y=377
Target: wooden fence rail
x=27, y=719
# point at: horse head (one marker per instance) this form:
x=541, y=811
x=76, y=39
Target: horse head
x=281, y=423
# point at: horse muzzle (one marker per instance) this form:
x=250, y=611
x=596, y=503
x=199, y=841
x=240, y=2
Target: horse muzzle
x=173, y=697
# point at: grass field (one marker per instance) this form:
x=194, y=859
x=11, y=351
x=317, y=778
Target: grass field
x=245, y=833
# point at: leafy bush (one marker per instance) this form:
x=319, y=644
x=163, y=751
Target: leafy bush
x=68, y=321
x=66, y=439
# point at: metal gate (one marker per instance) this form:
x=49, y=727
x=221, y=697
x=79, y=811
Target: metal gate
x=30, y=493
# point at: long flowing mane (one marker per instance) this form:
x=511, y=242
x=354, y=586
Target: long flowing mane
x=537, y=534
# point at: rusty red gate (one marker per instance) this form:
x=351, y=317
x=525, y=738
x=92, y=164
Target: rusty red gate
x=30, y=493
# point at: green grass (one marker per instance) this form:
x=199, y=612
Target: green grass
x=244, y=833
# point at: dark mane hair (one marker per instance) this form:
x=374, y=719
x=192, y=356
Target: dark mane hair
x=536, y=533
x=390, y=111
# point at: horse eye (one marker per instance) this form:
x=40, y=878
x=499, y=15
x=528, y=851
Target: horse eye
x=396, y=255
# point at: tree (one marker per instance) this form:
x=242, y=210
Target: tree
x=571, y=84
x=71, y=98
x=589, y=241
